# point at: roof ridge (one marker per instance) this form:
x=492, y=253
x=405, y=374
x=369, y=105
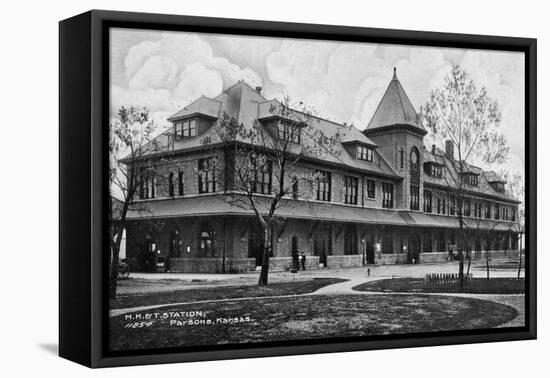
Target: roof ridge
x=379, y=104
x=336, y=123
x=400, y=98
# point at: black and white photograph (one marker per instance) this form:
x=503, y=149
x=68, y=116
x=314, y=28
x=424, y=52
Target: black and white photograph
x=275, y=189
x=268, y=189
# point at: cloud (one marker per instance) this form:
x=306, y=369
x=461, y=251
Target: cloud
x=342, y=81
x=169, y=73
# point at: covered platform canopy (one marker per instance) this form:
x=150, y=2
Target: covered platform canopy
x=226, y=205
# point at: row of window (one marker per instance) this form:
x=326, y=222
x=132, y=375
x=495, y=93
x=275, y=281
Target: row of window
x=479, y=209
x=206, y=181
x=263, y=184
x=351, y=184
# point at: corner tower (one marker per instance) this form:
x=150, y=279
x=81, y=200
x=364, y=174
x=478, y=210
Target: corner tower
x=396, y=129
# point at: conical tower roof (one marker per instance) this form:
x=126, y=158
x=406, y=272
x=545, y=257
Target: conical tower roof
x=395, y=109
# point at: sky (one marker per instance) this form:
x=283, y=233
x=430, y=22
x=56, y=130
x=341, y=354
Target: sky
x=342, y=81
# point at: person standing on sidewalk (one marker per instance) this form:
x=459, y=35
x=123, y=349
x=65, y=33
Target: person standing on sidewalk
x=303, y=260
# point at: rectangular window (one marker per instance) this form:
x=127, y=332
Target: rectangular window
x=497, y=211
x=467, y=207
x=371, y=189
x=186, y=128
x=452, y=204
x=350, y=190
x=487, y=211
x=365, y=153
x=513, y=214
x=262, y=183
x=477, y=210
x=444, y=206
x=428, y=201
x=288, y=132
x=415, y=197
x=147, y=185
x=323, y=186
x=387, y=195
x=439, y=205
x=436, y=170
x=207, y=176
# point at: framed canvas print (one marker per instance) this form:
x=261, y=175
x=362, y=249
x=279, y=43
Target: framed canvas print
x=233, y=188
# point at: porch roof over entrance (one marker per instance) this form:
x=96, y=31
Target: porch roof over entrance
x=216, y=205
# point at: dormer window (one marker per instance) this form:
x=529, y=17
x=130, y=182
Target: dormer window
x=498, y=186
x=186, y=128
x=471, y=179
x=365, y=153
x=288, y=132
x=434, y=170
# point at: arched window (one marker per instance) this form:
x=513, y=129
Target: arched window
x=180, y=183
x=415, y=158
x=206, y=243
x=171, y=184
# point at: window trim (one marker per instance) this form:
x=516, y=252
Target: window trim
x=428, y=201
x=387, y=195
x=414, y=193
x=185, y=128
x=287, y=131
x=351, y=187
x=325, y=178
x=180, y=183
x=171, y=184
x=371, y=191
x=207, y=176
x=365, y=153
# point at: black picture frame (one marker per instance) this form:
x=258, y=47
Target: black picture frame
x=83, y=112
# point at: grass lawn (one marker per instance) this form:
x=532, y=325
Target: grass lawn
x=307, y=317
x=475, y=286
x=202, y=294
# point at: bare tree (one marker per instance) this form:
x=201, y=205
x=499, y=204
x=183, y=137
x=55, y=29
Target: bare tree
x=261, y=163
x=516, y=186
x=466, y=116
x=131, y=149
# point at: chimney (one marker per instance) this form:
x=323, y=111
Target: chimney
x=259, y=90
x=433, y=149
x=450, y=149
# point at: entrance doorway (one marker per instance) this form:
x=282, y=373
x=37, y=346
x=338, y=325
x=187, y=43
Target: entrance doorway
x=370, y=250
x=256, y=243
x=413, y=255
x=322, y=244
x=350, y=240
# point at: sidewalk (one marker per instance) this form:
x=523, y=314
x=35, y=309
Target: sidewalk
x=409, y=270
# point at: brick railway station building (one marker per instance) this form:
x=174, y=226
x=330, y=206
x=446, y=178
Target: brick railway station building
x=383, y=200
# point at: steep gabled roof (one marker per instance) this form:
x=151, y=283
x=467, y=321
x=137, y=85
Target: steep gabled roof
x=395, y=109
x=350, y=134
x=247, y=105
x=451, y=169
x=203, y=105
x=492, y=176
